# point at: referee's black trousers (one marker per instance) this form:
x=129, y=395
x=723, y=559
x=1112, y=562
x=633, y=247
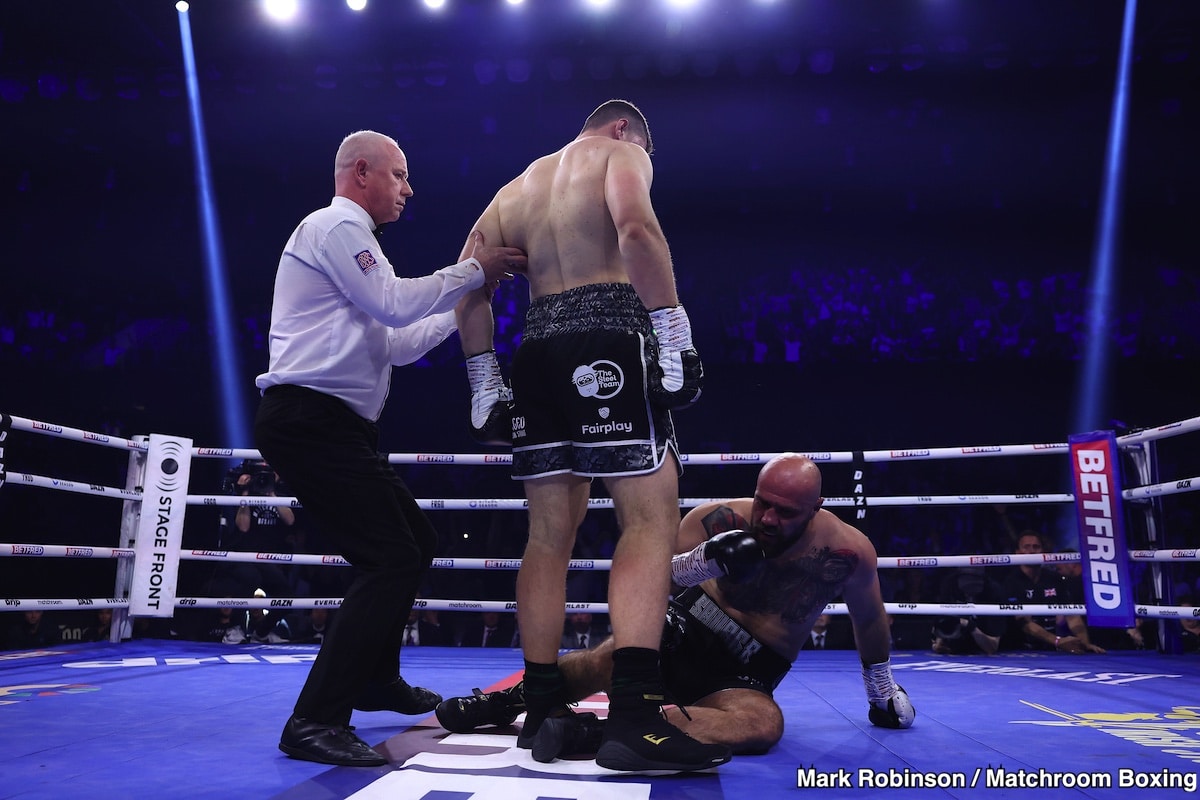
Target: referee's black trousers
x=328, y=456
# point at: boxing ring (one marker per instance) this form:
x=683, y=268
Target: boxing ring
x=131, y=717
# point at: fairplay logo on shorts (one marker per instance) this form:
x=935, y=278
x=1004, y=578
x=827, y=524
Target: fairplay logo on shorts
x=600, y=379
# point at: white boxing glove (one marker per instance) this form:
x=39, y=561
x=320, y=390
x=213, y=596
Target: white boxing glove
x=680, y=375
x=491, y=400
x=890, y=706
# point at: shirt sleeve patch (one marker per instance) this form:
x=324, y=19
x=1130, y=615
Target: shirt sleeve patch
x=366, y=262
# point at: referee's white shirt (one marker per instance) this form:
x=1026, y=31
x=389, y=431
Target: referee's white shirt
x=340, y=318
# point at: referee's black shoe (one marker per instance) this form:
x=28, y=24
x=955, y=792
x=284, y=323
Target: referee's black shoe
x=397, y=696
x=327, y=744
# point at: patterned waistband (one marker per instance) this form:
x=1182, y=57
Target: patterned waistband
x=594, y=307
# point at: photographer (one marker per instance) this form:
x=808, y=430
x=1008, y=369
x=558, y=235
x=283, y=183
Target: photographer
x=966, y=635
x=256, y=529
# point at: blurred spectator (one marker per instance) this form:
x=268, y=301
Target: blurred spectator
x=487, y=629
x=582, y=632
x=1037, y=584
x=308, y=627
x=32, y=629
x=830, y=633
x=424, y=628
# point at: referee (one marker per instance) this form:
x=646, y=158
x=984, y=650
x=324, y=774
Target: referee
x=340, y=319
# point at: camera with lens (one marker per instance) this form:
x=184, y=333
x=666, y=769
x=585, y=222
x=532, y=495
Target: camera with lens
x=262, y=479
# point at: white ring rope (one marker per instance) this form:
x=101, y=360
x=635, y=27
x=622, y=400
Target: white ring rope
x=896, y=609
x=69, y=551
x=708, y=459
x=516, y=504
x=598, y=564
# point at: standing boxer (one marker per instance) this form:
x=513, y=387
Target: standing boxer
x=605, y=355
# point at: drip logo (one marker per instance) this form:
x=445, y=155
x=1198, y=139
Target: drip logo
x=600, y=379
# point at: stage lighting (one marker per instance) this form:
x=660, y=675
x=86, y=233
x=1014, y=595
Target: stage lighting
x=282, y=10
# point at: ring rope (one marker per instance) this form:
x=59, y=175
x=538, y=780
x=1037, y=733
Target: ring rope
x=1161, y=432
x=599, y=564
x=1127, y=440
x=1183, y=485
x=896, y=609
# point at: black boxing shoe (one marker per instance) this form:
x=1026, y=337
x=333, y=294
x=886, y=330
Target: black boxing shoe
x=499, y=708
x=327, y=744
x=650, y=745
x=569, y=735
x=397, y=696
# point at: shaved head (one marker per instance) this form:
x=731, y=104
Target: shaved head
x=791, y=475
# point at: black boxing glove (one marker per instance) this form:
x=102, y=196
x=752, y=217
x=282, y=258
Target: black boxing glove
x=680, y=375
x=491, y=400
x=733, y=554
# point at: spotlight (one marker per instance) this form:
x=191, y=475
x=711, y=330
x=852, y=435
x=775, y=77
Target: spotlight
x=181, y=7
x=281, y=10
x=356, y=5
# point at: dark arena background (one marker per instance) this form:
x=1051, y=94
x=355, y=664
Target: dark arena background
x=895, y=226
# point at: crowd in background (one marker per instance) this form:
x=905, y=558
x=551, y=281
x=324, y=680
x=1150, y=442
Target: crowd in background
x=807, y=314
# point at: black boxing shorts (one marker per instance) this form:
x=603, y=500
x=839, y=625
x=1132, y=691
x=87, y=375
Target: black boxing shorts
x=705, y=651
x=579, y=380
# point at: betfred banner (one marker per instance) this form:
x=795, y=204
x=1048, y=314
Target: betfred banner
x=160, y=529
x=1101, y=521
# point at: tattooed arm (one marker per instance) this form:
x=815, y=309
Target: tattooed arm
x=705, y=521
